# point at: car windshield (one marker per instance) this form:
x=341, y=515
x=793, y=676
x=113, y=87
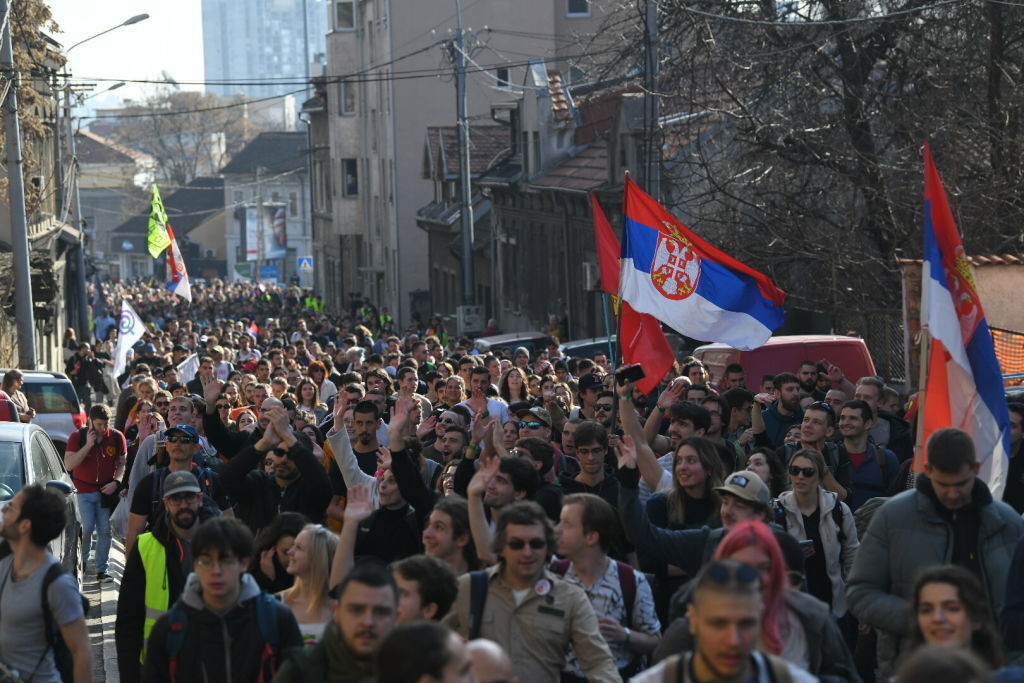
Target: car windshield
x=12, y=472
x=51, y=398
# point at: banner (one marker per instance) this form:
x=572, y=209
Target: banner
x=130, y=329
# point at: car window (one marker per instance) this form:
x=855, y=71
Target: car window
x=55, y=465
x=57, y=397
x=12, y=471
x=38, y=461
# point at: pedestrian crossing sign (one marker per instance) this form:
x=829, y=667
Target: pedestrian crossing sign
x=305, y=264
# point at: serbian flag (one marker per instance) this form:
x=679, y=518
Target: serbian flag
x=686, y=283
x=640, y=335
x=964, y=386
x=177, y=278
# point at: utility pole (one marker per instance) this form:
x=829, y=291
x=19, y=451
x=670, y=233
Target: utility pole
x=259, y=223
x=81, y=289
x=466, y=194
x=652, y=102
x=16, y=200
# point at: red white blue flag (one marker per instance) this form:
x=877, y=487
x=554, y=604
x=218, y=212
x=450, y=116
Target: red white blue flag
x=964, y=385
x=177, y=277
x=688, y=284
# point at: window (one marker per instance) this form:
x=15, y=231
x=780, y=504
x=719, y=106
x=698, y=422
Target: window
x=293, y=204
x=350, y=177
x=578, y=8
x=344, y=15
x=238, y=196
x=502, y=75
x=346, y=98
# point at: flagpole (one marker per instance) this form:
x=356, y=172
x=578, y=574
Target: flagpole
x=924, y=360
x=608, y=329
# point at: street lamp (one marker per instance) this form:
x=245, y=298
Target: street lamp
x=80, y=284
x=127, y=22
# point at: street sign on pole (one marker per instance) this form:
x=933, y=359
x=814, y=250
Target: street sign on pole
x=304, y=264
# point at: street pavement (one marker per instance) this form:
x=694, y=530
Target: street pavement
x=102, y=613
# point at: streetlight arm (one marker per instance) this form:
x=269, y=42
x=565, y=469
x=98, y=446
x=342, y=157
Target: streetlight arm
x=127, y=22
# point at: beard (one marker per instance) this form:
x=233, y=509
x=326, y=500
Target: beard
x=185, y=518
x=10, y=532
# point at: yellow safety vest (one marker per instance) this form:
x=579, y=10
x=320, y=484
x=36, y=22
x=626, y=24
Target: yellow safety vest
x=158, y=596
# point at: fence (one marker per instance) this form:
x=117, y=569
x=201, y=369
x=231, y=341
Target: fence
x=1010, y=353
x=882, y=331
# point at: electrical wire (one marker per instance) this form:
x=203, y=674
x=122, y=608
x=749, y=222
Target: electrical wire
x=823, y=22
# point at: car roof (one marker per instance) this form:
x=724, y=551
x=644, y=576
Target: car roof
x=37, y=375
x=791, y=339
x=511, y=336
x=13, y=431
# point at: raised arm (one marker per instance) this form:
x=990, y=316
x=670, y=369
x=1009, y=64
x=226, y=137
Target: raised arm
x=478, y=526
x=671, y=395
x=357, y=509
x=646, y=461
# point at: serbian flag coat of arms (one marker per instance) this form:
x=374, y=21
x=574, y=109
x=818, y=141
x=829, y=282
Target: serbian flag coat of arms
x=964, y=386
x=674, y=275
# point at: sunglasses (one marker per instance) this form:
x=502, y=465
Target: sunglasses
x=223, y=406
x=530, y=425
x=603, y=407
x=162, y=404
x=181, y=439
x=519, y=544
x=448, y=421
x=822, y=405
x=720, y=572
x=806, y=471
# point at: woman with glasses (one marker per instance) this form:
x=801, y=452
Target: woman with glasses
x=224, y=410
x=309, y=561
x=823, y=525
x=512, y=387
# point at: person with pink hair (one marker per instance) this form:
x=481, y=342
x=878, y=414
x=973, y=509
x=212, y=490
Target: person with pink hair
x=795, y=625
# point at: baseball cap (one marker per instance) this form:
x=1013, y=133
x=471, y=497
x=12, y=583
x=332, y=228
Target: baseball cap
x=186, y=429
x=180, y=347
x=748, y=486
x=149, y=348
x=590, y=381
x=537, y=412
x=180, y=482
x=218, y=349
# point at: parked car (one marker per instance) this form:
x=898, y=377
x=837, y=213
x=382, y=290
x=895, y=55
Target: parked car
x=53, y=397
x=586, y=348
x=28, y=456
x=785, y=353
x=532, y=340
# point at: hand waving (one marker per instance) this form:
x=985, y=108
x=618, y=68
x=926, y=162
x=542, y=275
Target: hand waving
x=357, y=505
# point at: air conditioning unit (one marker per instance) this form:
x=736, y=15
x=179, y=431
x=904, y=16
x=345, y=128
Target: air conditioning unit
x=591, y=276
x=469, y=319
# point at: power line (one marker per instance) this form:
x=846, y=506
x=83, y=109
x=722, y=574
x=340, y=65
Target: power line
x=824, y=22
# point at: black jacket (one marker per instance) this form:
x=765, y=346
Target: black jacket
x=131, y=599
x=226, y=442
x=260, y=498
x=225, y=649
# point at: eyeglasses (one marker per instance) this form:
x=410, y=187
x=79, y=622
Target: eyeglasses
x=519, y=544
x=719, y=572
x=181, y=439
x=530, y=425
x=603, y=407
x=806, y=471
x=206, y=562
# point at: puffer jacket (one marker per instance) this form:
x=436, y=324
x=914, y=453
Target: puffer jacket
x=838, y=557
x=226, y=648
x=907, y=534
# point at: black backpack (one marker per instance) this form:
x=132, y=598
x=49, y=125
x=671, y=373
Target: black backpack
x=54, y=640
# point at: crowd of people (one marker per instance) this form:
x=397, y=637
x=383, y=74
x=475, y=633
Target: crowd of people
x=312, y=498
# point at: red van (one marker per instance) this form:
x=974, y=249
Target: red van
x=785, y=353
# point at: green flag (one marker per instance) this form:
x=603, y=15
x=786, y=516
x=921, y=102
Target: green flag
x=157, y=239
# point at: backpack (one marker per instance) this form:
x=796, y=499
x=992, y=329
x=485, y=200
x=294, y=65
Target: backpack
x=477, y=601
x=837, y=517
x=62, y=658
x=266, y=617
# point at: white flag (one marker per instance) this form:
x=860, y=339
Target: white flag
x=129, y=330
x=188, y=368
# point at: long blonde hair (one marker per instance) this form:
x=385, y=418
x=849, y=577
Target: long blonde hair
x=322, y=544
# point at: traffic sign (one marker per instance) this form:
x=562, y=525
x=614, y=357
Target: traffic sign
x=305, y=264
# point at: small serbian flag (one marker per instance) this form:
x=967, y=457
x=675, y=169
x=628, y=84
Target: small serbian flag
x=674, y=275
x=964, y=386
x=177, y=276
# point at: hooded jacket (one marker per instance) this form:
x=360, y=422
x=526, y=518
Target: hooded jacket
x=329, y=661
x=219, y=648
x=912, y=531
x=838, y=557
x=131, y=598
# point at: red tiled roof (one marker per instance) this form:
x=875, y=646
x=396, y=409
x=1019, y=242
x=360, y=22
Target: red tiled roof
x=488, y=144
x=586, y=171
